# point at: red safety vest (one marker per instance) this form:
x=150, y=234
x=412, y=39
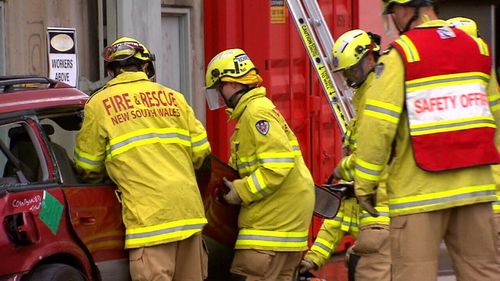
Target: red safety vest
x=451, y=125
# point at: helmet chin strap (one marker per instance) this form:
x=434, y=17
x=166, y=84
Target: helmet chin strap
x=415, y=17
x=233, y=100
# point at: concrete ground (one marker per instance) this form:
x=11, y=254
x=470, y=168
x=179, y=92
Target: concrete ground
x=447, y=278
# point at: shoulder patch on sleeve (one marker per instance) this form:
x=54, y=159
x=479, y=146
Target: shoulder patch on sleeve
x=262, y=126
x=379, y=68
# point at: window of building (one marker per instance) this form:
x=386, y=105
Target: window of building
x=176, y=57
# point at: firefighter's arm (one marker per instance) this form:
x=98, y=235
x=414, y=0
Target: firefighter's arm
x=329, y=237
x=274, y=157
x=377, y=129
x=200, y=147
x=494, y=102
x=90, y=150
x=345, y=169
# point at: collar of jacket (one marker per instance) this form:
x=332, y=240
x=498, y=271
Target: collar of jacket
x=128, y=76
x=245, y=99
x=433, y=23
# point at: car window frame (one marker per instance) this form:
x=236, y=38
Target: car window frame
x=30, y=123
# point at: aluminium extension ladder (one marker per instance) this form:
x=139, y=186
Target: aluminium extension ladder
x=318, y=42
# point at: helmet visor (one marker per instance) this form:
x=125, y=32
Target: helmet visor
x=354, y=75
x=121, y=51
x=214, y=99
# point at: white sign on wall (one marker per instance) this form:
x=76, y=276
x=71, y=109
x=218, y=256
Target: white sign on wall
x=63, y=64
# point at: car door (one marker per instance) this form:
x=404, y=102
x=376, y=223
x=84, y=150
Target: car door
x=94, y=209
x=95, y=214
x=32, y=206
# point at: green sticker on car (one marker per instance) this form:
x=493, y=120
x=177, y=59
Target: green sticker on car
x=51, y=212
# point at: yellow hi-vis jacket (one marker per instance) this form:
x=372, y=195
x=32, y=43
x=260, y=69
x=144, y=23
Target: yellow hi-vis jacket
x=350, y=217
x=276, y=186
x=385, y=129
x=381, y=205
x=147, y=138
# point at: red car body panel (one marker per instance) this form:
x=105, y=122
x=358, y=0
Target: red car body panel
x=49, y=98
x=43, y=242
x=95, y=214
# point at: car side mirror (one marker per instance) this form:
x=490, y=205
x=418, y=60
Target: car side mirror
x=329, y=198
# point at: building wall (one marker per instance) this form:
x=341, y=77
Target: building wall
x=25, y=30
x=25, y=36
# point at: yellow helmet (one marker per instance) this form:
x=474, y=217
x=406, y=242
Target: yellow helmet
x=413, y=3
x=467, y=25
x=125, y=48
x=349, y=52
x=233, y=63
x=351, y=47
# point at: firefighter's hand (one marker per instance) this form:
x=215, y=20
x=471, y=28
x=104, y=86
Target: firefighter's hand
x=367, y=202
x=337, y=173
x=306, y=265
x=232, y=196
x=334, y=176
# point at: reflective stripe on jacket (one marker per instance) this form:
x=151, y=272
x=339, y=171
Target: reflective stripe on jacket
x=385, y=129
x=148, y=140
x=276, y=186
x=451, y=125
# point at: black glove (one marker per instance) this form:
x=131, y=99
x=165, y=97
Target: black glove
x=367, y=202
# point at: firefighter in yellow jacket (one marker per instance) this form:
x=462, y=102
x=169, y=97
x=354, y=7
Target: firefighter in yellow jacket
x=470, y=27
x=355, y=53
x=147, y=138
x=276, y=190
x=430, y=117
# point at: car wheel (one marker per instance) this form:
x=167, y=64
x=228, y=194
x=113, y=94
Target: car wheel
x=56, y=272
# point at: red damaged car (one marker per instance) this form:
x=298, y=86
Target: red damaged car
x=53, y=226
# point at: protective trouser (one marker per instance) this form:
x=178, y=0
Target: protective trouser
x=371, y=255
x=497, y=231
x=177, y=261
x=468, y=232
x=258, y=265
